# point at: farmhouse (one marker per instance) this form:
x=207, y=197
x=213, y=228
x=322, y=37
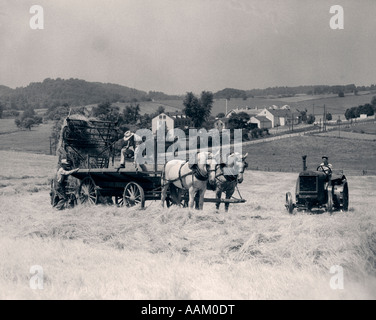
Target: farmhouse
x=278, y=117
x=171, y=121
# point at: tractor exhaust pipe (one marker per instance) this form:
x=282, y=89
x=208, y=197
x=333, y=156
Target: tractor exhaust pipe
x=304, y=162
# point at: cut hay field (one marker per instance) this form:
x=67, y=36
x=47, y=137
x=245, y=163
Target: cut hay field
x=256, y=251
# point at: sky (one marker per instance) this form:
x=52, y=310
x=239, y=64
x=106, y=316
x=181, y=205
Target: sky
x=177, y=46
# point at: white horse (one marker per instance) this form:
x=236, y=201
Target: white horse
x=192, y=177
x=228, y=175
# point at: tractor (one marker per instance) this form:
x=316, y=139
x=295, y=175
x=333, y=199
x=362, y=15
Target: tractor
x=319, y=189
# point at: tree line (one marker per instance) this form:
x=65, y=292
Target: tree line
x=340, y=90
x=369, y=109
x=55, y=92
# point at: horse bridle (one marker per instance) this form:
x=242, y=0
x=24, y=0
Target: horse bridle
x=235, y=176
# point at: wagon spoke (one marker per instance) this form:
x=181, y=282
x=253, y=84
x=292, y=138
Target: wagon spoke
x=133, y=195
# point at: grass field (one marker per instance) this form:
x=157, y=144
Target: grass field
x=35, y=140
x=333, y=104
x=285, y=154
x=367, y=128
x=256, y=251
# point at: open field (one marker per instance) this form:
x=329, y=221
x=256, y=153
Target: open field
x=285, y=154
x=256, y=251
x=333, y=103
x=35, y=140
x=367, y=128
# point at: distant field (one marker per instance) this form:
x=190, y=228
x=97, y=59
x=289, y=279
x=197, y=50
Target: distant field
x=35, y=140
x=151, y=107
x=368, y=128
x=285, y=154
x=7, y=126
x=333, y=103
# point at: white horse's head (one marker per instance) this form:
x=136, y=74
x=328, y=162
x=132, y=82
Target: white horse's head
x=236, y=165
x=207, y=164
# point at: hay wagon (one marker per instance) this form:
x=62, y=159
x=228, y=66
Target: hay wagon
x=92, y=144
x=127, y=188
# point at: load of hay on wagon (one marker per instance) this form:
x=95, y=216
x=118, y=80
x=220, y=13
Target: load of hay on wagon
x=87, y=142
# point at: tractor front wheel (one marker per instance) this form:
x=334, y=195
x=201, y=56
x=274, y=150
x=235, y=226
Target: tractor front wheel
x=289, y=205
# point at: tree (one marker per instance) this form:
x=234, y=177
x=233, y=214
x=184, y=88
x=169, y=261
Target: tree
x=27, y=123
x=198, y=109
x=131, y=114
x=106, y=112
x=302, y=116
x=350, y=113
x=28, y=119
x=220, y=115
x=239, y=120
x=329, y=116
x=373, y=101
x=341, y=94
x=311, y=119
x=161, y=109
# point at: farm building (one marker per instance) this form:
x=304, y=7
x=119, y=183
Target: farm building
x=250, y=111
x=278, y=117
x=261, y=121
x=171, y=121
x=221, y=124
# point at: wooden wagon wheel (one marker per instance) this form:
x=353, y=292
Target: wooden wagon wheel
x=87, y=192
x=289, y=205
x=133, y=195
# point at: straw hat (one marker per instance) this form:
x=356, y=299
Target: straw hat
x=128, y=135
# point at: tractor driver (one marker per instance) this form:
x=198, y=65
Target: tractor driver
x=325, y=166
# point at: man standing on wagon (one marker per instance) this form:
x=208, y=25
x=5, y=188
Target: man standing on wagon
x=129, y=142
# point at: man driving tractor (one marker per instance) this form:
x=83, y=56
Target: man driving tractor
x=326, y=168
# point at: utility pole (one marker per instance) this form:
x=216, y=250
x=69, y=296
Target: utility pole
x=324, y=121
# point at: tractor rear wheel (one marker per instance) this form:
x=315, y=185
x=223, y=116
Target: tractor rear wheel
x=289, y=205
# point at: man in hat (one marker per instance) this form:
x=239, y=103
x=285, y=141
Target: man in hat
x=129, y=142
x=61, y=182
x=325, y=166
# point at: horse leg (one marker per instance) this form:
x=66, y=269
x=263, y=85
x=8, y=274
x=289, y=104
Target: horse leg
x=164, y=193
x=228, y=196
x=192, y=193
x=218, y=195
x=201, y=199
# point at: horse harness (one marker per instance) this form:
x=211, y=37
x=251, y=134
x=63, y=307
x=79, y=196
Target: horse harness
x=195, y=172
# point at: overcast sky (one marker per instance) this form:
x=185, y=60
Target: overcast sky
x=177, y=46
